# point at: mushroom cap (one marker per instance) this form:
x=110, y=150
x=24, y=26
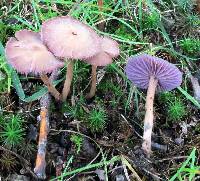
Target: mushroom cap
x=27, y=54
x=69, y=38
x=140, y=68
x=109, y=49
x=100, y=59
x=110, y=46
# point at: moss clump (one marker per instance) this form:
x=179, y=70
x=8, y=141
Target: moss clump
x=190, y=46
x=166, y=97
x=97, y=119
x=151, y=20
x=176, y=110
x=78, y=141
x=12, y=131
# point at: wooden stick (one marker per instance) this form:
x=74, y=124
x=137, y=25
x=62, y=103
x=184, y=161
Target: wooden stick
x=40, y=160
x=44, y=129
x=93, y=83
x=50, y=87
x=68, y=80
x=148, y=120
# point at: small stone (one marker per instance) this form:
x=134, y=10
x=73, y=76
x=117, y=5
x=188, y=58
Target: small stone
x=179, y=141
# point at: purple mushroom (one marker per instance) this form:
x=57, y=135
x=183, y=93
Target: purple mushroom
x=151, y=73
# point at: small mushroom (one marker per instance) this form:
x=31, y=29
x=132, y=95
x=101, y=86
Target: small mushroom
x=151, y=73
x=69, y=38
x=27, y=54
x=109, y=50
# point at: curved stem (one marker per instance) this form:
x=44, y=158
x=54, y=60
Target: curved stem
x=148, y=120
x=93, y=83
x=68, y=80
x=50, y=86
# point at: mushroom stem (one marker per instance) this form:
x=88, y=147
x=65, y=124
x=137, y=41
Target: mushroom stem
x=148, y=120
x=68, y=80
x=102, y=23
x=93, y=83
x=94, y=67
x=50, y=86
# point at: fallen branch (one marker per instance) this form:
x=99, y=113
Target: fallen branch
x=44, y=129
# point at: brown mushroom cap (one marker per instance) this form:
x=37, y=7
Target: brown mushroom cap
x=109, y=49
x=26, y=53
x=69, y=38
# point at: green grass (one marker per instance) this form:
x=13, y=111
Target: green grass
x=188, y=170
x=135, y=29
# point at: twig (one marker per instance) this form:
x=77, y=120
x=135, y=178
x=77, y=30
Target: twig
x=40, y=160
x=44, y=129
x=172, y=158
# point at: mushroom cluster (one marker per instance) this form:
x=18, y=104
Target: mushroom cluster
x=60, y=38
x=151, y=73
x=41, y=53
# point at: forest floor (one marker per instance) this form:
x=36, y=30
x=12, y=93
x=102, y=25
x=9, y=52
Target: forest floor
x=100, y=138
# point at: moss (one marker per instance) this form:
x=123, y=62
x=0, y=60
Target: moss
x=97, y=119
x=176, y=110
x=190, y=46
x=12, y=131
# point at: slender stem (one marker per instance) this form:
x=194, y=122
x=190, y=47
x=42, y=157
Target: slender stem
x=148, y=120
x=94, y=68
x=68, y=80
x=102, y=24
x=93, y=83
x=50, y=86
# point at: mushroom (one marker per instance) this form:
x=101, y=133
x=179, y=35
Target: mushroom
x=27, y=54
x=109, y=49
x=71, y=39
x=151, y=73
